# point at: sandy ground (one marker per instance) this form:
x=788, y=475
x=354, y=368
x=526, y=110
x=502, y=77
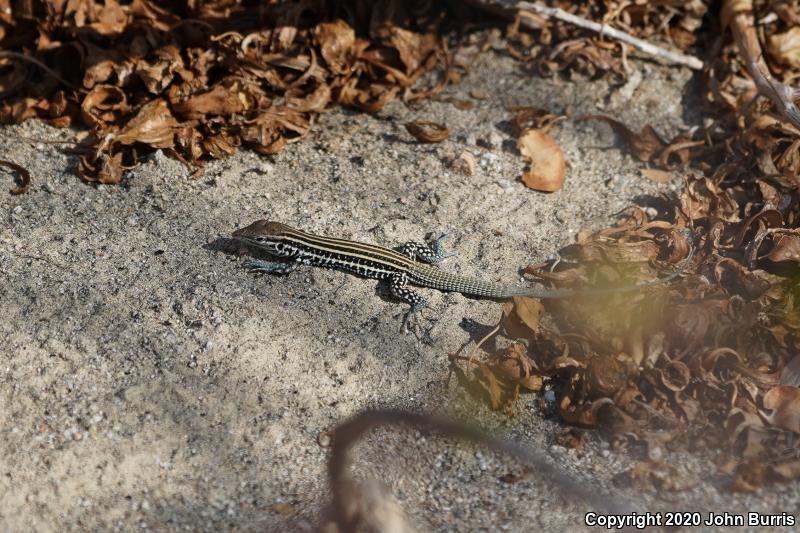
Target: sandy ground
x=148, y=381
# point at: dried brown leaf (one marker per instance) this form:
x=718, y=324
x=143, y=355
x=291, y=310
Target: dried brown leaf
x=675, y=376
x=785, y=247
x=222, y=99
x=336, y=40
x=658, y=176
x=738, y=280
x=101, y=168
x=153, y=125
x=546, y=162
x=584, y=414
x=529, y=311
x=103, y=105
x=645, y=145
x=606, y=375
x=749, y=477
x=427, y=131
x=25, y=177
x=464, y=164
x=788, y=471
x=785, y=47
x=514, y=365
x=784, y=402
x=492, y=386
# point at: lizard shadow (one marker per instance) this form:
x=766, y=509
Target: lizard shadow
x=235, y=249
x=476, y=332
x=225, y=245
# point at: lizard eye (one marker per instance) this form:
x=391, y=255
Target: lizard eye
x=260, y=239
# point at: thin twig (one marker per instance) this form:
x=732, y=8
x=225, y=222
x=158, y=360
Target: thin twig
x=742, y=23
x=473, y=354
x=676, y=58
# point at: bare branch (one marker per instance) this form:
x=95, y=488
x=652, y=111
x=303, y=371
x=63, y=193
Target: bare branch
x=676, y=58
x=740, y=16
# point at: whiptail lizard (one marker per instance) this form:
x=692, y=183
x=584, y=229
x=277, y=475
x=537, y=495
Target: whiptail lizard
x=411, y=264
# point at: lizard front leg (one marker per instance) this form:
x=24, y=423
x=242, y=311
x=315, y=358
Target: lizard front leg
x=425, y=253
x=271, y=267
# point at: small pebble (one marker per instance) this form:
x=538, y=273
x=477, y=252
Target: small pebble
x=324, y=439
x=655, y=453
x=464, y=164
x=494, y=140
x=489, y=159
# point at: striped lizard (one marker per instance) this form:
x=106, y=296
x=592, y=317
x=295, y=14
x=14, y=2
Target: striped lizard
x=413, y=264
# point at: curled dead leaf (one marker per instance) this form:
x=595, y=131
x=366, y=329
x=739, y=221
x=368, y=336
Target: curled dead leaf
x=785, y=247
x=749, y=476
x=739, y=280
x=24, y=174
x=158, y=73
x=336, y=40
x=584, y=414
x=645, y=145
x=514, y=365
x=785, y=47
x=784, y=402
x=464, y=164
x=221, y=99
x=606, y=375
x=103, y=105
x=100, y=168
x=427, y=131
x=656, y=175
x=537, y=118
x=153, y=125
x=675, y=376
x=529, y=311
x=546, y=162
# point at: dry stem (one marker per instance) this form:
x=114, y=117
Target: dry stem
x=739, y=14
x=676, y=58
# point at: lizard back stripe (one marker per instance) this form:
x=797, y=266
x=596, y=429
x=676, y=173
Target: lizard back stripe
x=394, y=260
x=348, y=245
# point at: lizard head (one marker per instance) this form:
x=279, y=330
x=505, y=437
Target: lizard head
x=264, y=234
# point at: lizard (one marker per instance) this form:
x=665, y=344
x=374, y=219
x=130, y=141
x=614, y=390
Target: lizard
x=412, y=264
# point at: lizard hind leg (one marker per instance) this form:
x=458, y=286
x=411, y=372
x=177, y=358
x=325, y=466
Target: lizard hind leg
x=398, y=286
